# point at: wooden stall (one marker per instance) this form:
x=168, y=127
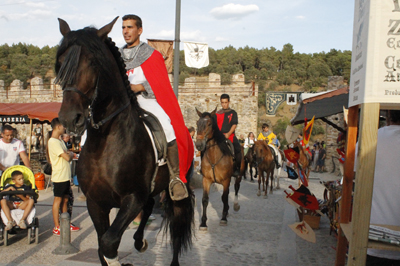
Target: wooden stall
x=373, y=86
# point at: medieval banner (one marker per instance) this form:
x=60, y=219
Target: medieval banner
x=291, y=99
x=375, y=72
x=274, y=99
x=166, y=48
x=196, y=54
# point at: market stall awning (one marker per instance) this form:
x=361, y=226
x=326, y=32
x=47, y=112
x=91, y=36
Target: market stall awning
x=321, y=105
x=40, y=111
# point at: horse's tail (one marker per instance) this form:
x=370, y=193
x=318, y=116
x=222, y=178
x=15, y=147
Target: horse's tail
x=179, y=219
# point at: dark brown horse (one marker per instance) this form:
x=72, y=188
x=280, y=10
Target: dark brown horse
x=250, y=163
x=266, y=163
x=117, y=164
x=216, y=164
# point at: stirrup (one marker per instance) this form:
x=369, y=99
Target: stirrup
x=182, y=192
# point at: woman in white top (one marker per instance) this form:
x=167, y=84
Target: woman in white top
x=249, y=142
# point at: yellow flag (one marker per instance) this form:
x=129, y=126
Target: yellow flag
x=307, y=131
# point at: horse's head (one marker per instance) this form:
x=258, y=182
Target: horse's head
x=85, y=65
x=261, y=150
x=205, y=129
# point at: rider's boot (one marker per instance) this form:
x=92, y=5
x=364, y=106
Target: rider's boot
x=276, y=161
x=177, y=189
x=237, y=162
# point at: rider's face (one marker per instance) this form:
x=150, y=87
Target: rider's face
x=225, y=103
x=131, y=32
x=7, y=135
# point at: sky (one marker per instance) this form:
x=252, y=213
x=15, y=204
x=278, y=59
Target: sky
x=311, y=26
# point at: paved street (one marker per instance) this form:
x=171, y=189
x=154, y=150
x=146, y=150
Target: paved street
x=258, y=234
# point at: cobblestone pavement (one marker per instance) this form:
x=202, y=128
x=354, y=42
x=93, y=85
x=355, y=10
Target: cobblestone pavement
x=258, y=234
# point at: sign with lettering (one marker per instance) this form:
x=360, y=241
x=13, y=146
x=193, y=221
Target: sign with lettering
x=375, y=62
x=14, y=119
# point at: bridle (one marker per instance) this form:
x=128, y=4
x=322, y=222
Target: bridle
x=92, y=101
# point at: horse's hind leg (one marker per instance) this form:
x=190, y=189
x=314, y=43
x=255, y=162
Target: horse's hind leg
x=140, y=244
x=224, y=198
x=101, y=222
x=206, y=190
x=236, y=206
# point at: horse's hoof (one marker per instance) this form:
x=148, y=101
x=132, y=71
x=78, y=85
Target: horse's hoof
x=259, y=193
x=278, y=187
x=265, y=196
x=145, y=246
x=223, y=223
x=203, y=228
x=236, y=207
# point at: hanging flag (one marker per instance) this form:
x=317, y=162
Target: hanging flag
x=303, y=197
x=166, y=48
x=291, y=173
x=302, y=176
x=304, y=230
x=307, y=131
x=196, y=54
x=291, y=155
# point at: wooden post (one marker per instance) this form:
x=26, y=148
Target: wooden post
x=364, y=183
x=30, y=138
x=345, y=204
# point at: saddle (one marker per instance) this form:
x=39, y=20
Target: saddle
x=157, y=134
x=231, y=148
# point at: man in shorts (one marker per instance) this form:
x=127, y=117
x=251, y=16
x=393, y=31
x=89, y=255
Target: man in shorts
x=60, y=159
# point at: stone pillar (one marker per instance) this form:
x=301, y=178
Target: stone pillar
x=214, y=80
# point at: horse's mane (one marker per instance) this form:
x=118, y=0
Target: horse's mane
x=87, y=37
x=218, y=135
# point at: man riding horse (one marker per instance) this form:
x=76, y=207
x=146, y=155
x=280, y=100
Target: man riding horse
x=271, y=140
x=227, y=120
x=148, y=77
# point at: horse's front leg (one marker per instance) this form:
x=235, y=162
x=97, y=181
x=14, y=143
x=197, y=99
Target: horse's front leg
x=236, y=206
x=206, y=190
x=101, y=221
x=224, y=198
x=251, y=172
x=130, y=208
x=267, y=177
x=141, y=245
x=260, y=177
x=272, y=182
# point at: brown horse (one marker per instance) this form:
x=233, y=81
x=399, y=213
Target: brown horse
x=250, y=163
x=216, y=164
x=304, y=160
x=266, y=163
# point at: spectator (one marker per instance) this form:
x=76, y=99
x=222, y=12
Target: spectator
x=18, y=201
x=385, y=195
x=61, y=173
x=37, y=131
x=321, y=159
x=11, y=149
x=67, y=141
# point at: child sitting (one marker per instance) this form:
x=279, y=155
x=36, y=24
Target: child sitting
x=18, y=201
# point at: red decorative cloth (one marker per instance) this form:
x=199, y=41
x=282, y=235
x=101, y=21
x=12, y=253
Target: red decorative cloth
x=156, y=74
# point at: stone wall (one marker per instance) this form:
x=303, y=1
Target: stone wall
x=200, y=92
x=204, y=94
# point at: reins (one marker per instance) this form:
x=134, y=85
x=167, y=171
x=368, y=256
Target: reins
x=90, y=108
